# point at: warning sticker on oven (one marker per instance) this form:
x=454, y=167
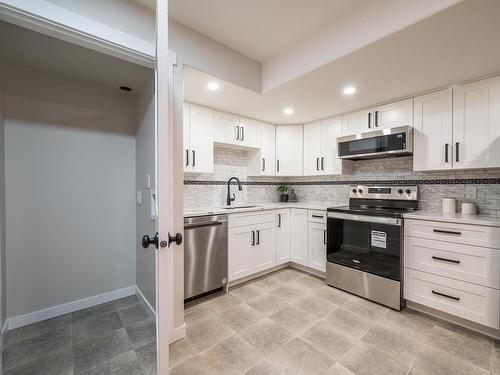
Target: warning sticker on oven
x=379, y=239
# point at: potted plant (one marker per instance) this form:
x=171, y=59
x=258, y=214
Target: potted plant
x=283, y=190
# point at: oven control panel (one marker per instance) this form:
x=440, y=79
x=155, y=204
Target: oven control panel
x=384, y=192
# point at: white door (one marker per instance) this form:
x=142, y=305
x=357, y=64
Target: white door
x=201, y=133
x=226, y=128
x=282, y=236
x=264, y=251
x=313, y=148
x=393, y=115
x=357, y=122
x=185, y=137
x=332, y=164
x=476, y=124
x=298, y=228
x=289, y=150
x=316, y=251
x=267, y=149
x=250, y=132
x=241, y=243
x=433, y=138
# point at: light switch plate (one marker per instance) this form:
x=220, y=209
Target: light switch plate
x=148, y=181
x=139, y=197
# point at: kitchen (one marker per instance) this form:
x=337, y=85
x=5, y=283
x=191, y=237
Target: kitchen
x=265, y=187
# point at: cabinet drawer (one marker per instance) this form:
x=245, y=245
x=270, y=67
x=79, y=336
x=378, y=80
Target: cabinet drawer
x=316, y=216
x=472, y=302
x=251, y=218
x=458, y=233
x=474, y=264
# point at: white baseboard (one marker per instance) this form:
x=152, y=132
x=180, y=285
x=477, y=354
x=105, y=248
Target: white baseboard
x=5, y=326
x=177, y=333
x=146, y=303
x=52, y=312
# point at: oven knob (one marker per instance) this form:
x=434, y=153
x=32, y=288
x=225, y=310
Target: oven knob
x=360, y=191
x=354, y=191
x=400, y=191
x=408, y=191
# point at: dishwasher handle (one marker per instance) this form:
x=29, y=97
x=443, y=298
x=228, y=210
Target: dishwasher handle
x=203, y=224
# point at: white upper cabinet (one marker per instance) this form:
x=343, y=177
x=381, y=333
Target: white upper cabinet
x=320, y=148
x=433, y=137
x=262, y=161
x=226, y=128
x=357, y=122
x=289, y=150
x=236, y=131
x=393, y=115
x=476, y=124
x=199, y=129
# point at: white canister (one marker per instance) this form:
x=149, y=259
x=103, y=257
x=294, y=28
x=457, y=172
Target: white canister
x=468, y=208
x=449, y=205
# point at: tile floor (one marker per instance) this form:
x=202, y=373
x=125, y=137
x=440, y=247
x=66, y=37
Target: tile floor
x=113, y=338
x=292, y=323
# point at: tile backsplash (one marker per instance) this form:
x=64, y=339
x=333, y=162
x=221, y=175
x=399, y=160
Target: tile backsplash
x=202, y=190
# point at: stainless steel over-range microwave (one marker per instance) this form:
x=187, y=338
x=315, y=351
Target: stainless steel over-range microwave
x=380, y=143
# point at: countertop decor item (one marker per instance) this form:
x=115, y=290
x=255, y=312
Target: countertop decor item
x=449, y=205
x=283, y=190
x=292, y=197
x=468, y=208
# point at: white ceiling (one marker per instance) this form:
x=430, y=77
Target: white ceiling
x=258, y=28
x=458, y=44
x=35, y=50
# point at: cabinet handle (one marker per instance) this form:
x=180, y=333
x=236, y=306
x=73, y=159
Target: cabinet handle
x=447, y=232
x=370, y=120
x=278, y=165
x=317, y=164
x=242, y=129
x=445, y=295
x=279, y=220
x=263, y=164
x=258, y=237
x=446, y=146
x=253, y=238
x=318, y=216
x=187, y=158
x=237, y=132
x=324, y=237
x=322, y=163
x=457, y=145
x=446, y=260
x=376, y=119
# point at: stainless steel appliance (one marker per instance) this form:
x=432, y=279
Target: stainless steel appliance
x=380, y=143
x=365, y=242
x=205, y=255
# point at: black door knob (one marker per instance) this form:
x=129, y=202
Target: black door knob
x=408, y=191
x=146, y=241
x=400, y=191
x=177, y=239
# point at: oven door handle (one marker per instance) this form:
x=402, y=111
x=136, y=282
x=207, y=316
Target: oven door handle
x=364, y=218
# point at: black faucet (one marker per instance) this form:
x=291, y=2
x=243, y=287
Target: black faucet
x=229, y=198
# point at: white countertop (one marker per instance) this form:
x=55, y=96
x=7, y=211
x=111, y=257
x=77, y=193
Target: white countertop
x=491, y=221
x=201, y=211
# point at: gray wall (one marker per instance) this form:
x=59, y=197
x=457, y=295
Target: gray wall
x=70, y=181
x=144, y=165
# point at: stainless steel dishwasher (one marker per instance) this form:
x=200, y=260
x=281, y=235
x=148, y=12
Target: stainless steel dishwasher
x=205, y=254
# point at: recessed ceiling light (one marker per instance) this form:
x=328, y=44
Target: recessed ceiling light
x=288, y=111
x=213, y=86
x=349, y=90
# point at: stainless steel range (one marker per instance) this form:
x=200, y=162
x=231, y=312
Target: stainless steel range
x=365, y=242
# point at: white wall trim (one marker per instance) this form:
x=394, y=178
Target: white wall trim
x=5, y=326
x=177, y=333
x=143, y=299
x=66, y=308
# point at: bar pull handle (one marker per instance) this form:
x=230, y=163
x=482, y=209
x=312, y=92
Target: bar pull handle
x=278, y=165
x=446, y=260
x=369, y=120
x=376, y=119
x=317, y=164
x=322, y=163
x=263, y=164
x=457, y=149
x=445, y=295
x=279, y=220
x=187, y=158
x=242, y=129
x=447, y=232
x=446, y=147
x=324, y=237
x=253, y=238
x=258, y=237
x=318, y=216
x=237, y=132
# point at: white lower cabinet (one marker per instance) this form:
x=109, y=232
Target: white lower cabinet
x=240, y=257
x=316, y=249
x=298, y=229
x=264, y=250
x=283, y=236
